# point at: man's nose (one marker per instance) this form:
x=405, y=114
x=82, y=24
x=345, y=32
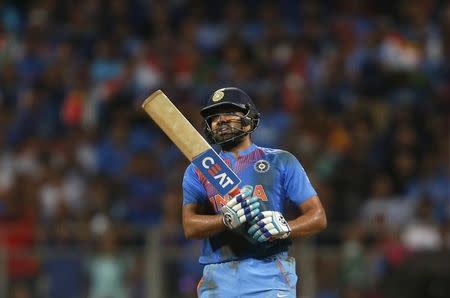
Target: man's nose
x=223, y=118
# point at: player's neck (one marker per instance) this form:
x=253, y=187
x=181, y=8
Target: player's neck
x=245, y=144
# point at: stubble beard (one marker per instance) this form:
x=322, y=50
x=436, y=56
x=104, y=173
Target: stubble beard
x=232, y=143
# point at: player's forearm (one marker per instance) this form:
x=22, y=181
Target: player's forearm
x=308, y=224
x=203, y=226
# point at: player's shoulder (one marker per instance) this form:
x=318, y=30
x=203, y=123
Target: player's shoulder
x=280, y=157
x=190, y=170
x=277, y=153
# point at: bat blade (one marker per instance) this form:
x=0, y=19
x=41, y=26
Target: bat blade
x=191, y=143
x=166, y=115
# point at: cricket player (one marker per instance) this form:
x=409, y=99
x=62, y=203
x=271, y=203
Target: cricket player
x=246, y=237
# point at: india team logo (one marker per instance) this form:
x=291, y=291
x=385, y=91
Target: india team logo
x=218, y=95
x=262, y=166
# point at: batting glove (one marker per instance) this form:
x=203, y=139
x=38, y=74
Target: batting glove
x=269, y=225
x=240, y=208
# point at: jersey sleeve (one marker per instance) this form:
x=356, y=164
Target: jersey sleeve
x=296, y=182
x=193, y=190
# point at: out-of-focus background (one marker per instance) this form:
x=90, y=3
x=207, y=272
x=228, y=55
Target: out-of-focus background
x=90, y=189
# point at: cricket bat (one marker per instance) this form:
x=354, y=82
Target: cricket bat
x=191, y=143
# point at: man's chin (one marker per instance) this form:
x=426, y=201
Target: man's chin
x=224, y=137
x=230, y=142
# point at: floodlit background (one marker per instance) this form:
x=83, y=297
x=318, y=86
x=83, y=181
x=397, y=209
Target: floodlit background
x=90, y=189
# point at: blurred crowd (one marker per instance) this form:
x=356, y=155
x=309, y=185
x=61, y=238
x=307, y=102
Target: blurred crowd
x=359, y=91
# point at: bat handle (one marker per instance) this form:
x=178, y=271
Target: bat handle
x=235, y=192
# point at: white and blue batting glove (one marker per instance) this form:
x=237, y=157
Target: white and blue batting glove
x=269, y=225
x=240, y=208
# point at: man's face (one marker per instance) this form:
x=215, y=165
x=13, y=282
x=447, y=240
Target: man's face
x=227, y=125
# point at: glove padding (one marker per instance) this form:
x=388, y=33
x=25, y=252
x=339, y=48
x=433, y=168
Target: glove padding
x=269, y=225
x=240, y=208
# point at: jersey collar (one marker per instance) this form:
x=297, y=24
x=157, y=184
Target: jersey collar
x=244, y=152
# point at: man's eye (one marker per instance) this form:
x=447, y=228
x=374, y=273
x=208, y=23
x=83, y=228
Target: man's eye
x=224, y=116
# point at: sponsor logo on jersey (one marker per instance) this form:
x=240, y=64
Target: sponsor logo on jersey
x=261, y=166
x=218, y=201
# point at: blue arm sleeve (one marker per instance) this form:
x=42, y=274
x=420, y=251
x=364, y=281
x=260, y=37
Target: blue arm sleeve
x=296, y=183
x=193, y=190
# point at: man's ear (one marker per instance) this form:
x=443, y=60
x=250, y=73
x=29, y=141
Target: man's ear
x=246, y=121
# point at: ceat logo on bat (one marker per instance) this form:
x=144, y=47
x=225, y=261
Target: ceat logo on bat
x=216, y=171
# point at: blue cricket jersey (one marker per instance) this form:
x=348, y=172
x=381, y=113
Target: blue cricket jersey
x=278, y=180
